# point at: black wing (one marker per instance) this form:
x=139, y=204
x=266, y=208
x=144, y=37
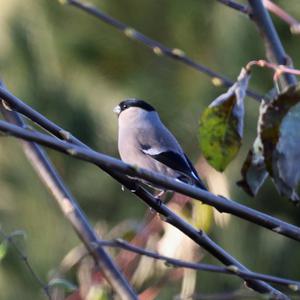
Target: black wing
x=173, y=160
x=198, y=181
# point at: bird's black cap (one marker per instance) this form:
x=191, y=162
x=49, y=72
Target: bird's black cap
x=136, y=103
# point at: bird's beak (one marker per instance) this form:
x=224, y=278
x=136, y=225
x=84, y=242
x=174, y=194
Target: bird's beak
x=117, y=110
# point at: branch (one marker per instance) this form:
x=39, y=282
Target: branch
x=274, y=49
x=71, y=210
x=156, y=47
x=107, y=162
x=270, y=6
x=236, y=6
x=221, y=204
x=278, y=69
x=112, y=169
x=283, y=15
x=230, y=270
x=231, y=295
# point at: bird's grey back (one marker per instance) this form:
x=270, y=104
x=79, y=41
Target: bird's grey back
x=142, y=128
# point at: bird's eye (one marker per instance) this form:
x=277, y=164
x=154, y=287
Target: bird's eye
x=124, y=106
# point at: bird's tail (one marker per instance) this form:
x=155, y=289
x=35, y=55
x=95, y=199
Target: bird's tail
x=196, y=178
x=200, y=184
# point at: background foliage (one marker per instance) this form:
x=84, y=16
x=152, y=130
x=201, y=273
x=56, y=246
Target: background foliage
x=74, y=70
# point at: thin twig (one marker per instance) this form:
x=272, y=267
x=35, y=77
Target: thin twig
x=156, y=47
x=283, y=15
x=230, y=270
x=236, y=6
x=111, y=163
x=279, y=69
x=270, y=6
x=25, y=260
x=234, y=295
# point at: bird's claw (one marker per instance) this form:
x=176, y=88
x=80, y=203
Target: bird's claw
x=158, y=201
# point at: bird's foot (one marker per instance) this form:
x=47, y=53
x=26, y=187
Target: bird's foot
x=158, y=201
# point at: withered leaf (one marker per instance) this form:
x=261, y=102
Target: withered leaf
x=254, y=171
x=279, y=129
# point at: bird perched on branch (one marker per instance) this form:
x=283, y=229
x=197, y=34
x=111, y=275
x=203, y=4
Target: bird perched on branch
x=144, y=141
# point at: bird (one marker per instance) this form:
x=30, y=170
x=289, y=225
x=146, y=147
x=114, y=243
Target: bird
x=144, y=141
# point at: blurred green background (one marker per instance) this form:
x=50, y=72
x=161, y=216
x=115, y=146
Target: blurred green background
x=75, y=69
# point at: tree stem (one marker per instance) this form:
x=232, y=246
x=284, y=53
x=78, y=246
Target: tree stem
x=274, y=49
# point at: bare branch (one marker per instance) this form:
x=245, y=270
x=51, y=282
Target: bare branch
x=230, y=270
x=278, y=69
x=270, y=6
x=237, y=6
x=283, y=15
x=107, y=162
x=71, y=210
x=221, y=204
x=118, y=169
x=156, y=47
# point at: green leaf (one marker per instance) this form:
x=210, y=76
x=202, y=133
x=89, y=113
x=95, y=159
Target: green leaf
x=3, y=249
x=63, y=283
x=221, y=124
x=279, y=129
x=254, y=171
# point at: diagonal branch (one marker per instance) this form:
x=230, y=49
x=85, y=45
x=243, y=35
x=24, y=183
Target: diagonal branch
x=156, y=47
x=218, y=202
x=107, y=162
x=236, y=6
x=71, y=210
x=230, y=270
